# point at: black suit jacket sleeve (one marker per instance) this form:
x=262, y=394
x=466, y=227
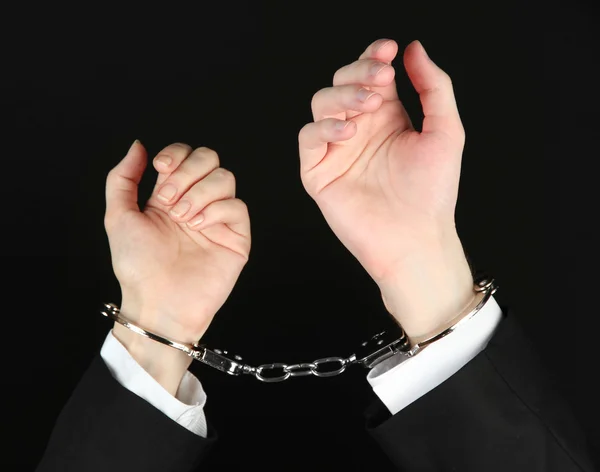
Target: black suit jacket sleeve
x=500, y=412
x=105, y=427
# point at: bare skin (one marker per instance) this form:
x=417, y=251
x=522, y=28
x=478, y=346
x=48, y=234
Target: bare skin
x=387, y=191
x=174, y=275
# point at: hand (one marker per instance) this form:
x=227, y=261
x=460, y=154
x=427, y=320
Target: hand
x=178, y=260
x=387, y=191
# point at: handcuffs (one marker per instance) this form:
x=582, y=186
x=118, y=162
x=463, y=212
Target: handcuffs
x=371, y=352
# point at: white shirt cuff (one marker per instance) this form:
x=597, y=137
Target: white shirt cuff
x=400, y=380
x=187, y=408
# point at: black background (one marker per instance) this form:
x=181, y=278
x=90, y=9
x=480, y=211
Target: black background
x=79, y=85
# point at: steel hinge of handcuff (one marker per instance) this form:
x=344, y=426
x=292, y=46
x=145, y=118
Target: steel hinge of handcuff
x=380, y=347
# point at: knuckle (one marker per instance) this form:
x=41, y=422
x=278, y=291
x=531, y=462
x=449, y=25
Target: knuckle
x=304, y=131
x=113, y=174
x=461, y=134
x=240, y=205
x=337, y=77
x=110, y=176
x=445, y=78
x=308, y=182
x=176, y=151
x=108, y=221
x=208, y=155
x=315, y=99
x=246, y=250
x=243, y=249
x=203, y=157
x=205, y=151
x=184, y=146
x=225, y=175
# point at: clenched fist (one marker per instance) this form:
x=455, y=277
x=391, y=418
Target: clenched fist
x=178, y=259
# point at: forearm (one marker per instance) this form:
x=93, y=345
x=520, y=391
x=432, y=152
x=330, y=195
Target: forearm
x=430, y=288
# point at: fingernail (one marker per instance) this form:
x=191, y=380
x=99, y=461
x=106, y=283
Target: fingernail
x=164, y=161
x=341, y=125
x=137, y=141
x=363, y=94
x=382, y=42
x=182, y=207
x=195, y=221
x=167, y=193
x=377, y=68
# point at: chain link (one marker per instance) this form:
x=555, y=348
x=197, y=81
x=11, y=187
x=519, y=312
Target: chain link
x=380, y=347
x=286, y=371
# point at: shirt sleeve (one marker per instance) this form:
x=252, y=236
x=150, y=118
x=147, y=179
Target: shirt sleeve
x=186, y=408
x=400, y=380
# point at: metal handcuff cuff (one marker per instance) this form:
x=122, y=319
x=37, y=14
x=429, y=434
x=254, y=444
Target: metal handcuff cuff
x=380, y=347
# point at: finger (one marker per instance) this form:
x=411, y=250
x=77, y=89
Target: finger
x=232, y=212
x=334, y=102
x=122, y=183
x=371, y=73
x=435, y=91
x=314, y=138
x=218, y=185
x=169, y=159
x=196, y=166
x=383, y=50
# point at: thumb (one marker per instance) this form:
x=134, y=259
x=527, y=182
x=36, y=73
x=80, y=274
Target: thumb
x=122, y=183
x=434, y=87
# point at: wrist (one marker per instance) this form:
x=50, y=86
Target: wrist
x=429, y=288
x=165, y=317
x=165, y=364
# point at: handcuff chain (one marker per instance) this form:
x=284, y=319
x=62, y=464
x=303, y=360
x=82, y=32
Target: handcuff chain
x=378, y=348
